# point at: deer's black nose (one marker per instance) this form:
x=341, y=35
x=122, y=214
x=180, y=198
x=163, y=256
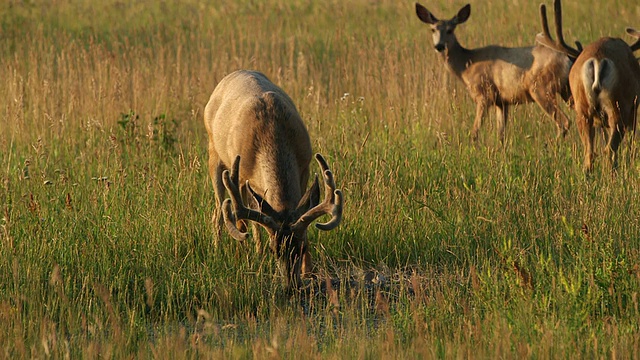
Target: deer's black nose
x=439, y=47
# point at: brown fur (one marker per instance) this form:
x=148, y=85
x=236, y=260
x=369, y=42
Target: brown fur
x=499, y=76
x=606, y=95
x=249, y=116
x=605, y=83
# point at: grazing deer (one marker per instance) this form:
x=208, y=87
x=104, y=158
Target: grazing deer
x=500, y=76
x=256, y=132
x=605, y=83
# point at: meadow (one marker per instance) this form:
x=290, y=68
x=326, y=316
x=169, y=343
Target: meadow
x=446, y=250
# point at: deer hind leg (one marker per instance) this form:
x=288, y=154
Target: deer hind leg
x=215, y=171
x=587, y=133
x=549, y=105
x=502, y=112
x=481, y=109
x=616, y=134
x=615, y=138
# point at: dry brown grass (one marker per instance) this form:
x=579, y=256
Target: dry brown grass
x=105, y=203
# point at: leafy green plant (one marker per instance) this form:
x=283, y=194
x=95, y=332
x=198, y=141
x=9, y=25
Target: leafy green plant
x=164, y=133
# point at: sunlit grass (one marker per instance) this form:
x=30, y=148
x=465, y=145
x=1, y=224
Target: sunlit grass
x=446, y=249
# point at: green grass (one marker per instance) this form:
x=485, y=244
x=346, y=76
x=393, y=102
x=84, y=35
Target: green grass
x=482, y=251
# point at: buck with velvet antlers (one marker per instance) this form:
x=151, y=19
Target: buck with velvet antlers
x=259, y=151
x=499, y=76
x=605, y=83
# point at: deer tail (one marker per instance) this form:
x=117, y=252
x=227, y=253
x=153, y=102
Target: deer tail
x=598, y=76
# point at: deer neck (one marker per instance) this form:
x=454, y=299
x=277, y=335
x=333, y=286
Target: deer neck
x=457, y=58
x=280, y=180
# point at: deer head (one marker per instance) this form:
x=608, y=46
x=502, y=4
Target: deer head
x=442, y=30
x=287, y=229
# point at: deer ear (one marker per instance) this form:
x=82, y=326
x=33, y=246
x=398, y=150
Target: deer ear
x=633, y=32
x=636, y=34
x=425, y=15
x=463, y=14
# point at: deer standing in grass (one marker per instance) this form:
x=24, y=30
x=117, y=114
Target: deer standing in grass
x=259, y=151
x=499, y=76
x=605, y=83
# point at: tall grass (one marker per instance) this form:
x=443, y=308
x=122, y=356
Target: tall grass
x=446, y=249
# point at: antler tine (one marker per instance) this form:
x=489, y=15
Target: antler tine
x=557, y=8
x=240, y=211
x=322, y=162
x=331, y=205
x=557, y=17
x=636, y=34
x=544, y=37
x=545, y=23
x=335, y=211
x=559, y=44
x=230, y=221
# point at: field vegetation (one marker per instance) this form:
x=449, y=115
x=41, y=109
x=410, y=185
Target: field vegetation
x=447, y=249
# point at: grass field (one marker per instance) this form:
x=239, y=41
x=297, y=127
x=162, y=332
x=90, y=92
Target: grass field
x=446, y=250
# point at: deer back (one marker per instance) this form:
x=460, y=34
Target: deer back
x=509, y=74
x=249, y=116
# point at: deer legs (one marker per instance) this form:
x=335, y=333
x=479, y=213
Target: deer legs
x=550, y=106
x=616, y=133
x=502, y=113
x=481, y=109
x=215, y=170
x=587, y=134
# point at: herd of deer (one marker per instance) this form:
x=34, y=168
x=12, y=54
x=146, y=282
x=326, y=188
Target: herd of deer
x=260, y=151
x=602, y=80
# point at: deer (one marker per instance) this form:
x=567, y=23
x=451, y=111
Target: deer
x=260, y=154
x=605, y=83
x=497, y=76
